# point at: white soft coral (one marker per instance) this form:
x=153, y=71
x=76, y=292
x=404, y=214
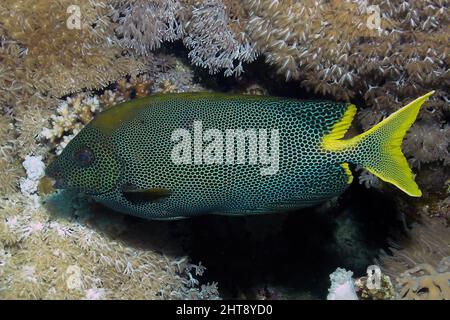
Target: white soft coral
x=342, y=286
x=35, y=169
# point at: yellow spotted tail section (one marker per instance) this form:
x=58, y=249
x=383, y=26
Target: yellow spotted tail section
x=378, y=149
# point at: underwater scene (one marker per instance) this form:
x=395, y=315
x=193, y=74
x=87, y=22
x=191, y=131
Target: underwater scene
x=221, y=149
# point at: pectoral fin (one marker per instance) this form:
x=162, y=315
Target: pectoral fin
x=140, y=196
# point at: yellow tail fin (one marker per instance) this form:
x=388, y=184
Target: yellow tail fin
x=378, y=149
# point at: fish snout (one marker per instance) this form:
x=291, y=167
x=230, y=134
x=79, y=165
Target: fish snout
x=54, y=173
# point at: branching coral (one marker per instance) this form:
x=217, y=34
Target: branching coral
x=72, y=114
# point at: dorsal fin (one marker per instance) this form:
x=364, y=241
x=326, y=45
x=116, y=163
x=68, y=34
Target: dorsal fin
x=341, y=127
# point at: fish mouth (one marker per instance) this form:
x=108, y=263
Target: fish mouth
x=56, y=183
x=55, y=176
x=59, y=183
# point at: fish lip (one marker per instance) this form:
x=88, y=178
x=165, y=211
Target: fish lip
x=59, y=183
x=55, y=176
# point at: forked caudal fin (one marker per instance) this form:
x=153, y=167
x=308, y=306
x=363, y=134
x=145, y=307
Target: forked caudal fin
x=378, y=150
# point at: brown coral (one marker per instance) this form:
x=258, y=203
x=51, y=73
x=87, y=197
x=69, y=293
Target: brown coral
x=424, y=282
x=427, y=242
x=216, y=37
x=85, y=254
x=52, y=53
x=143, y=25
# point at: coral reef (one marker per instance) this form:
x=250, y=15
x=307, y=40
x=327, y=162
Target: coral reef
x=427, y=242
x=426, y=247
x=217, y=39
x=11, y=171
x=424, y=282
x=87, y=254
x=79, y=50
x=385, y=291
x=317, y=42
x=54, y=55
x=84, y=252
x=428, y=143
x=381, y=52
x=342, y=286
x=72, y=114
x=144, y=24
x=178, y=78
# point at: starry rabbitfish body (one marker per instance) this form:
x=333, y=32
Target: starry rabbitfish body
x=123, y=157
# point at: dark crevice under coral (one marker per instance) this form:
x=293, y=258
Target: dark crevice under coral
x=288, y=255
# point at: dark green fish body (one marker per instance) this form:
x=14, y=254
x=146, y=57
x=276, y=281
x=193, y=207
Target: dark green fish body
x=169, y=156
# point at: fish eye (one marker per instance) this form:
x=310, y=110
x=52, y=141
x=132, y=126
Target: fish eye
x=84, y=157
